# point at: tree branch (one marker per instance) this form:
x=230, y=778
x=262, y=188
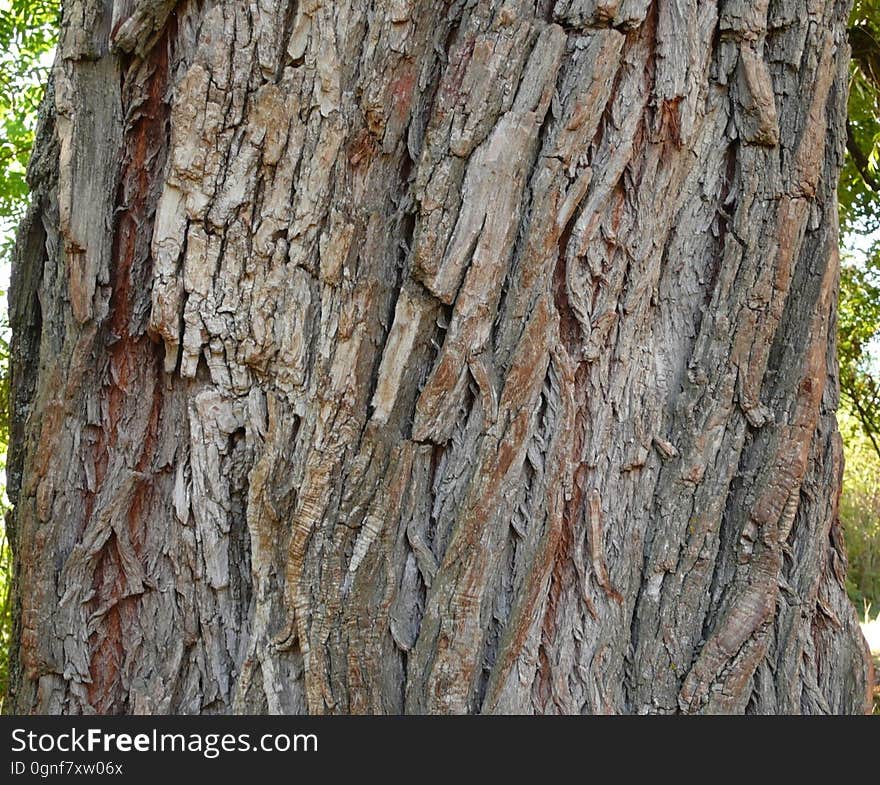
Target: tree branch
x=860, y=160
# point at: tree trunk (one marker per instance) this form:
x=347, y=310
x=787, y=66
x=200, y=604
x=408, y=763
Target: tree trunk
x=409, y=356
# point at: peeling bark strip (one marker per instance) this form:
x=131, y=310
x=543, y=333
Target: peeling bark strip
x=433, y=357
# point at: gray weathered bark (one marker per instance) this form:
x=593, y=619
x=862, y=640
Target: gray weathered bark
x=463, y=356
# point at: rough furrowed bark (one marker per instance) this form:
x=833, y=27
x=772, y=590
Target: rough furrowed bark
x=433, y=357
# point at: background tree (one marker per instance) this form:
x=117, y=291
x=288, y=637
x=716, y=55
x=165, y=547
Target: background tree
x=859, y=314
x=446, y=357
x=860, y=217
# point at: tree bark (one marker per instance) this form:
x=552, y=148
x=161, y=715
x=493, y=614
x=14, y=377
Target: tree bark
x=463, y=356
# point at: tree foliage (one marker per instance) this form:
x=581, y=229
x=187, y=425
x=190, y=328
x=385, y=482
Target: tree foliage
x=860, y=179
x=860, y=510
x=859, y=309
x=27, y=33
x=859, y=192
x=859, y=315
